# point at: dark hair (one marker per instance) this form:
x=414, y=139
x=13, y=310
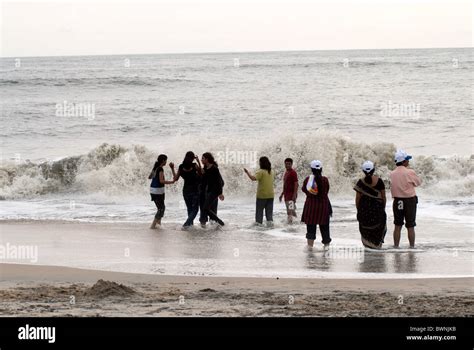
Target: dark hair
x=159, y=161
x=265, y=164
x=400, y=163
x=162, y=158
x=188, y=160
x=289, y=160
x=368, y=176
x=318, y=177
x=210, y=158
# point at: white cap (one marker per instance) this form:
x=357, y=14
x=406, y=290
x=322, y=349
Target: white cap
x=401, y=156
x=316, y=164
x=368, y=166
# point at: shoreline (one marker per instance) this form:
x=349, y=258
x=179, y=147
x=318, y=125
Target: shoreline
x=39, y=291
x=29, y=273
x=232, y=252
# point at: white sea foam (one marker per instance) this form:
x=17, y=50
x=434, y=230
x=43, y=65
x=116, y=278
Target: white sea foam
x=116, y=169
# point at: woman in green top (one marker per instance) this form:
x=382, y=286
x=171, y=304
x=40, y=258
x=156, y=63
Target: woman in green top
x=265, y=193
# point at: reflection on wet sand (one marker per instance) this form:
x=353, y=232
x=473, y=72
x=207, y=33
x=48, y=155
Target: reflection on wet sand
x=405, y=262
x=227, y=252
x=318, y=261
x=373, y=262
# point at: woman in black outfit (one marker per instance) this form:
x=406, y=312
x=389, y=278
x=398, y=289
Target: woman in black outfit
x=370, y=203
x=211, y=189
x=191, y=174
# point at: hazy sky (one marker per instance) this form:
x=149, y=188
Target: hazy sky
x=111, y=27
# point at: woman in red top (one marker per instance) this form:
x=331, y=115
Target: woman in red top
x=317, y=207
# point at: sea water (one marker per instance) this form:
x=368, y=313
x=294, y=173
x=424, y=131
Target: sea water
x=80, y=134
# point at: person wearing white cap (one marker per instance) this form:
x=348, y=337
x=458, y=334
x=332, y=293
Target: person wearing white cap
x=370, y=203
x=403, y=182
x=317, y=207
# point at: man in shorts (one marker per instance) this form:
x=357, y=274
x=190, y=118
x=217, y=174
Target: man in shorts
x=403, y=182
x=290, y=189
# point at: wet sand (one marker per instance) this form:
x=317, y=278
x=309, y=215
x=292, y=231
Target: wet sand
x=35, y=290
x=233, y=251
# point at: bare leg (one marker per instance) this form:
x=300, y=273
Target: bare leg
x=310, y=242
x=411, y=237
x=396, y=236
x=154, y=223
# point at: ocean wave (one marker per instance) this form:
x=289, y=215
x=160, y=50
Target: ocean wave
x=117, y=169
x=337, y=63
x=9, y=82
x=113, y=81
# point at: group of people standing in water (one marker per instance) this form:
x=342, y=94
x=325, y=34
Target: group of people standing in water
x=203, y=188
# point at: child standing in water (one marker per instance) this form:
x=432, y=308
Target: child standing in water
x=317, y=207
x=290, y=189
x=157, y=187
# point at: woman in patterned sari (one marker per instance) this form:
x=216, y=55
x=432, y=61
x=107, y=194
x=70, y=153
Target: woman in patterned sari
x=317, y=208
x=370, y=204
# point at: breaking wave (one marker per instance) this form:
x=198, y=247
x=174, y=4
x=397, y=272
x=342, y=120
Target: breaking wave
x=118, y=170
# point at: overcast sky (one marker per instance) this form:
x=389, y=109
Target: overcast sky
x=111, y=27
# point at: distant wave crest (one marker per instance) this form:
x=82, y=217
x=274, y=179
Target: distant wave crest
x=114, y=81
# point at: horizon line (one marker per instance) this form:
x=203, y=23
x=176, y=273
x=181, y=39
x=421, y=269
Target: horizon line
x=237, y=52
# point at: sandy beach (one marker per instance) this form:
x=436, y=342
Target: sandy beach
x=33, y=290
x=76, y=272
x=250, y=170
